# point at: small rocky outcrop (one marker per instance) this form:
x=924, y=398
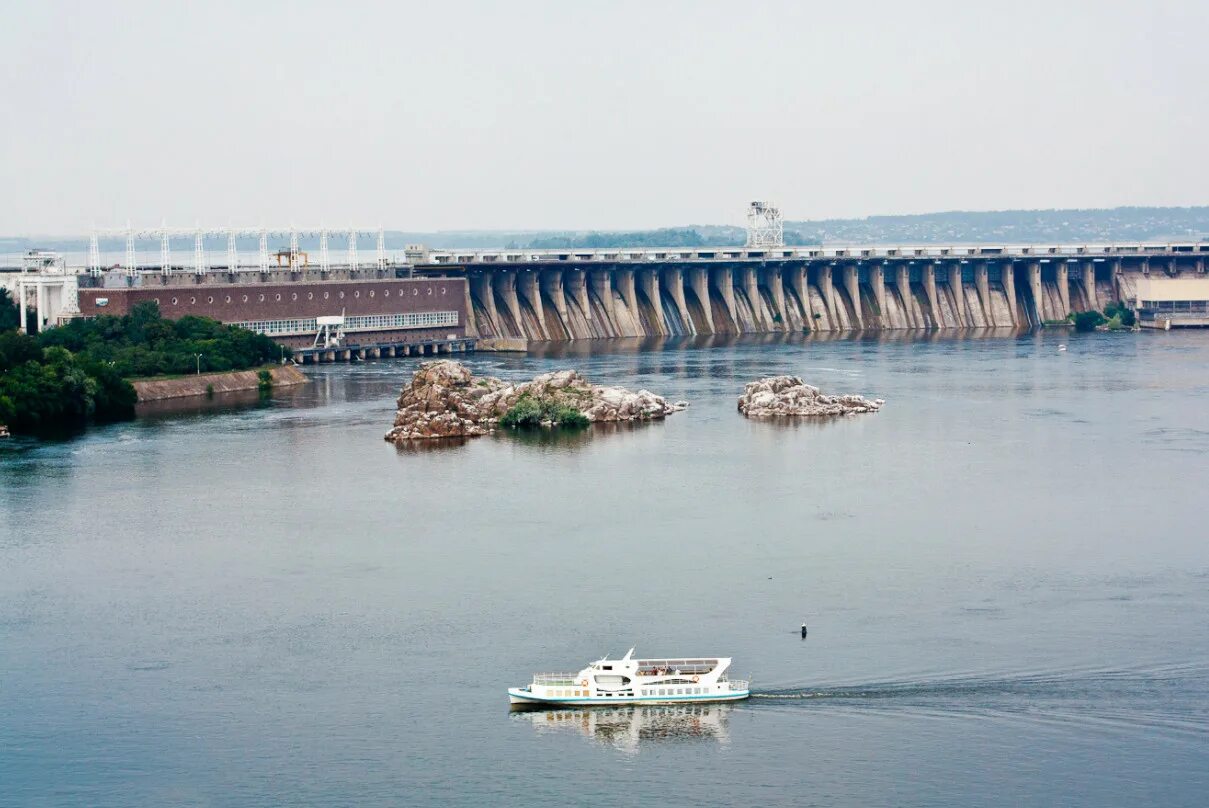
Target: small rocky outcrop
x=790, y=396
x=445, y=400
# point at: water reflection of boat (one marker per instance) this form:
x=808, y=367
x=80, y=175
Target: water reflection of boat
x=628, y=728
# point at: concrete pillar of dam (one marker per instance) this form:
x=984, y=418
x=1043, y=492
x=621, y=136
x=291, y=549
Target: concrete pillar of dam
x=673, y=281
x=623, y=278
x=796, y=277
x=902, y=281
x=527, y=285
x=959, y=296
x=472, y=328
x=930, y=291
x=481, y=286
x=577, y=287
x=827, y=289
x=751, y=288
x=552, y=285
x=504, y=283
x=698, y=278
x=1089, y=285
x=602, y=287
x=983, y=284
x=1064, y=288
x=723, y=279
x=776, y=290
x=1008, y=273
x=877, y=282
x=852, y=286
x=648, y=281
x=1034, y=285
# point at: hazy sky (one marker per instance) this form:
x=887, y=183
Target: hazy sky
x=442, y=115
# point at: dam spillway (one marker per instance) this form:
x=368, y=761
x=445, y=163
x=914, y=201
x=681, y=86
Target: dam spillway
x=557, y=295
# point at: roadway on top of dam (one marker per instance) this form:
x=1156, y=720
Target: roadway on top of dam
x=1040, y=252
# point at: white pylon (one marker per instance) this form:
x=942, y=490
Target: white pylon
x=352, y=249
x=199, y=253
x=324, y=263
x=232, y=252
x=264, y=250
x=94, y=254
x=765, y=227
x=165, y=253
x=131, y=259
x=381, y=248
x=293, y=248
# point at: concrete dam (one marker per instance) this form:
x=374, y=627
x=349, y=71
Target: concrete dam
x=559, y=295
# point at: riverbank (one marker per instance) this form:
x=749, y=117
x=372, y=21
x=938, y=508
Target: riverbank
x=210, y=383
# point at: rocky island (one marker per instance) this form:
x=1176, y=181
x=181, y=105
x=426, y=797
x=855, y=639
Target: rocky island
x=790, y=396
x=445, y=400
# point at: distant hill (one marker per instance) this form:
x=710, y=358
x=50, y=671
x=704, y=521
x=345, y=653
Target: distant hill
x=1115, y=224
x=1006, y=226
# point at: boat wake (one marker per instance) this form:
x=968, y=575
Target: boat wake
x=1171, y=697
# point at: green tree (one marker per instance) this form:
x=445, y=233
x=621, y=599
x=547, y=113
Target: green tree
x=1088, y=320
x=10, y=314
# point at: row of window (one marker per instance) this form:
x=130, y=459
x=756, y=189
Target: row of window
x=1176, y=305
x=653, y=691
x=675, y=691
x=261, y=298
x=366, y=322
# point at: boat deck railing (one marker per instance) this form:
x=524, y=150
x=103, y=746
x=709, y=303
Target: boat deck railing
x=683, y=667
x=558, y=679
x=740, y=684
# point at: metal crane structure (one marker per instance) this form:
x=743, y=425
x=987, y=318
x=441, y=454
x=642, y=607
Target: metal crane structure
x=201, y=263
x=765, y=228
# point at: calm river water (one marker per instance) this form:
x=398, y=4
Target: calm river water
x=1005, y=573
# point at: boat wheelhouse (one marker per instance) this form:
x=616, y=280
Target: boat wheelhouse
x=635, y=681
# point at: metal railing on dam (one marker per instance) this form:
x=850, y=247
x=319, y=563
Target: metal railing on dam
x=600, y=293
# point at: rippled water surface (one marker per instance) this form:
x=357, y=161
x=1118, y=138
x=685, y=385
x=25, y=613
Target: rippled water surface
x=1005, y=573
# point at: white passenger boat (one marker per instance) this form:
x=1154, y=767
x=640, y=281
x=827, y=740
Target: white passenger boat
x=634, y=681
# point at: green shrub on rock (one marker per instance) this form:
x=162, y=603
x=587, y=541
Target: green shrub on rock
x=529, y=413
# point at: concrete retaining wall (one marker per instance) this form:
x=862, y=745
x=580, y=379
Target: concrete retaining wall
x=186, y=386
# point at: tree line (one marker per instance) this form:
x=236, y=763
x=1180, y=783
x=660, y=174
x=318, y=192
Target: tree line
x=63, y=378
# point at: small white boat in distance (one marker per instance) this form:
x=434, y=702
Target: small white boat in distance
x=634, y=681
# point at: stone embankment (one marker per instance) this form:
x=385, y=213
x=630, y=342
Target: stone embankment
x=445, y=400
x=502, y=344
x=207, y=383
x=790, y=396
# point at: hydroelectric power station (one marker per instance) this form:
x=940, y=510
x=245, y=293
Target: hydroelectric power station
x=446, y=300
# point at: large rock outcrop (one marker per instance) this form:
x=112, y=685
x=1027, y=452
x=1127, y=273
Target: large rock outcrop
x=790, y=396
x=445, y=400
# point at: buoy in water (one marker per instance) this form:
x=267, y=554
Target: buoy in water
x=803, y=630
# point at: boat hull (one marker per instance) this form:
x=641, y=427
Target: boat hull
x=521, y=698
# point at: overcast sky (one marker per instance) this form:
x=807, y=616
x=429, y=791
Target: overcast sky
x=585, y=115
